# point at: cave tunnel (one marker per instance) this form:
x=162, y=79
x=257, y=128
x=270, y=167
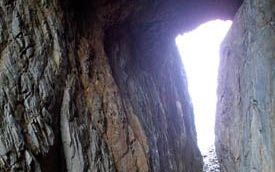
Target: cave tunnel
x=99, y=86
x=199, y=50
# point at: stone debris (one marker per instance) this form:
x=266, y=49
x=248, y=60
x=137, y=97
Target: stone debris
x=210, y=161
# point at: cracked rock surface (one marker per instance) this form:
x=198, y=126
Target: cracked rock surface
x=97, y=86
x=245, y=126
x=31, y=60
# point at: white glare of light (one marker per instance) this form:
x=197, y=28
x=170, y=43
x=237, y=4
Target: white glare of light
x=199, y=50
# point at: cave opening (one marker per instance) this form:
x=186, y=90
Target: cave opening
x=199, y=50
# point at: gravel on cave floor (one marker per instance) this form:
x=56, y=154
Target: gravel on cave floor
x=210, y=160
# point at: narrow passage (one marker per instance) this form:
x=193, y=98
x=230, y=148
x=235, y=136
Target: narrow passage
x=199, y=50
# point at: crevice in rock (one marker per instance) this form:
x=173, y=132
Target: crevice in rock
x=106, y=75
x=199, y=51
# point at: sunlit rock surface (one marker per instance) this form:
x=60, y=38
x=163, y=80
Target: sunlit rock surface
x=245, y=126
x=97, y=86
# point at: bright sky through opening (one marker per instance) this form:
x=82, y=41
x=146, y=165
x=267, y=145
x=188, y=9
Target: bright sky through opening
x=199, y=50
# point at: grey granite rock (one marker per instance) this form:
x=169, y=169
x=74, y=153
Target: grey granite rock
x=245, y=135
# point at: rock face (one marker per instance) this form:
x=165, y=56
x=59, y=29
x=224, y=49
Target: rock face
x=97, y=85
x=32, y=73
x=245, y=126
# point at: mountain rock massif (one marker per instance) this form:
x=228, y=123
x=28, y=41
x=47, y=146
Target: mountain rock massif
x=245, y=126
x=98, y=85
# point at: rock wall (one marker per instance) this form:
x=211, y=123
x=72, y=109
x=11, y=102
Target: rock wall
x=245, y=126
x=32, y=73
x=97, y=85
